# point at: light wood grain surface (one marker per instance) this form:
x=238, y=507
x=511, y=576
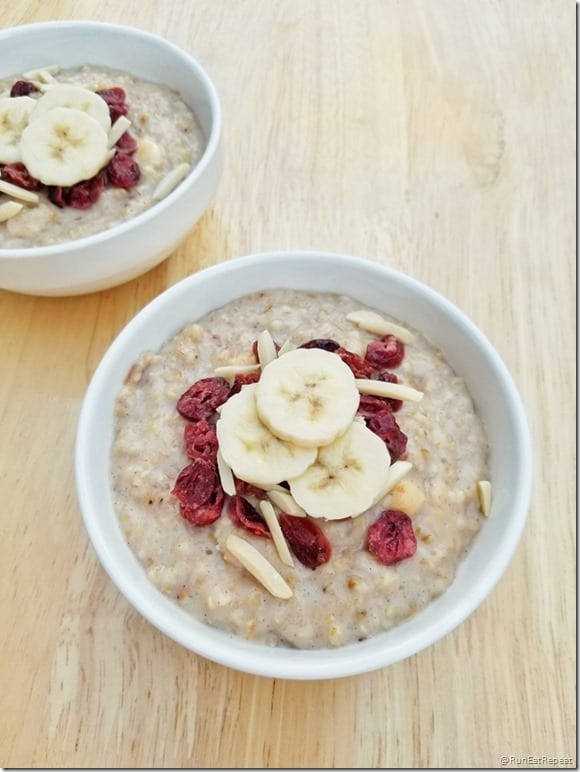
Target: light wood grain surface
x=435, y=136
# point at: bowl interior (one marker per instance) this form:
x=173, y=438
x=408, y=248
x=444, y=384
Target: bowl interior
x=465, y=348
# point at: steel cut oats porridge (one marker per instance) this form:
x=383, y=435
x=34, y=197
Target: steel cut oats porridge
x=85, y=149
x=378, y=436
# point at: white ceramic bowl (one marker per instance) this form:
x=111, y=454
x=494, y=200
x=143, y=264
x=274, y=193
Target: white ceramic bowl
x=468, y=352
x=127, y=250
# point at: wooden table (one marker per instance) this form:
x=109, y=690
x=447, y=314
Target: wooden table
x=437, y=137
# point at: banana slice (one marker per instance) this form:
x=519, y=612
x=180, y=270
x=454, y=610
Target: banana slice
x=307, y=396
x=14, y=116
x=347, y=477
x=251, y=450
x=64, y=146
x=75, y=98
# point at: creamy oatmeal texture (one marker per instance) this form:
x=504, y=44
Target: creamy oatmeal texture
x=352, y=596
x=167, y=135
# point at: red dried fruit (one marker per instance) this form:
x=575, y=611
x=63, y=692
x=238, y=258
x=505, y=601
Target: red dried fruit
x=387, y=352
x=327, y=344
x=385, y=375
x=370, y=405
x=360, y=368
x=391, y=538
x=244, y=488
x=201, y=440
x=84, y=194
x=247, y=516
x=18, y=174
x=206, y=513
x=22, y=88
x=386, y=427
x=202, y=398
x=126, y=144
x=196, y=483
x=243, y=379
x=115, y=99
x=56, y=194
x=123, y=171
x=306, y=540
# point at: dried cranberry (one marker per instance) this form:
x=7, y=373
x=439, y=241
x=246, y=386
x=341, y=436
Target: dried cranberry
x=22, y=88
x=306, y=540
x=206, y=513
x=242, y=379
x=386, y=427
x=385, y=375
x=327, y=344
x=126, y=144
x=18, y=174
x=247, y=516
x=115, y=99
x=57, y=195
x=387, y=352
x=391, y=538
x=370, y=405
x=123, y=171
x=360, y=368
x=84, y=194
x=195, y=483
x=200, y=440
x=244, y=488
x=201, y=399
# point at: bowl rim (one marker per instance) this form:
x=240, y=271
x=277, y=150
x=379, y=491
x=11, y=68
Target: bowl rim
x=210, y=149
x=308, y=664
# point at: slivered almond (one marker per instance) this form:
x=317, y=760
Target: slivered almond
x=277, y=536
x=228, y=371
x=15, y=191
x=285, y=347
x=395, y=474
x=9, y=209
x=171, y=181
x=118, y=129
x=484, y=494
x=378, y=325
x=286, y=502
x=266, y=349
x=51, y=69
x=260, y=568
x=385, y=389
x=225, y=475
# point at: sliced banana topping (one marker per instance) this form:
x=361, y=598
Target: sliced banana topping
x=64, y=146
x=10, y=209
x=75, y=98
x=378, y=325
x=347, y=476
x=385, y=389
x=254, y=562
x=14, y=115
x=277, y=536
x=249, y=447
x=484, y=494
x=307, y=397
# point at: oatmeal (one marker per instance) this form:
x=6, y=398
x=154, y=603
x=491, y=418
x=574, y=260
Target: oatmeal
x=381, y=503
x=86, y=149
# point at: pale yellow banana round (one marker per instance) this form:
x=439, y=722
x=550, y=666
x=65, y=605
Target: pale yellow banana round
x=307, y=396
x=64, y=146
x=251, y=450
x=14, y=116
x=347, y=476
x=76, y=98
